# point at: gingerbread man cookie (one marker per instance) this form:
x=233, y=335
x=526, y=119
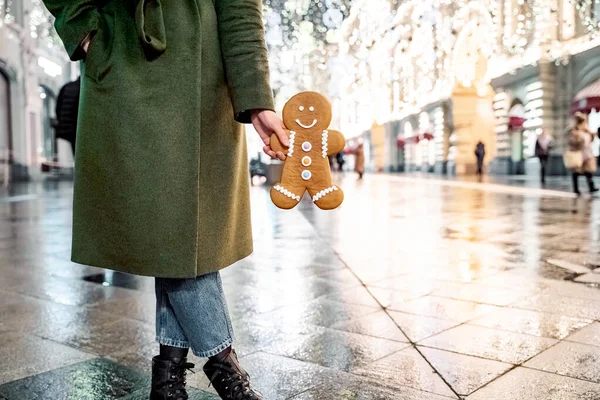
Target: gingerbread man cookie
x=307, y=116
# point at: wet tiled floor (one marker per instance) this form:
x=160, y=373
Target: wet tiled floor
x=413, y=290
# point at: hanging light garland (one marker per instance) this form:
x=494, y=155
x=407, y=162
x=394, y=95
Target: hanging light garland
x=587, y=10
x=519, y=26
x=301, y=36
x=6, y=14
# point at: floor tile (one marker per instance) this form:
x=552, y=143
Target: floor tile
x=356, y=388
x=336, y=349
x=524, y=383
x=393, y=299
x=23, y=355
x=449, y=309
x=378, y=325
x=417, y=327
x=464, y=374
x=141, y=306
x=570, y=359
x=572, y=307
x=108, y=338
x=588, y=335
x=492, y=344
x=532, y=322
x=70, y=291
x=320, y=312
x=194, y=394
x=280, y=378
x=478, y=293
x=588, y=278
x=406, y=368
x=408, y=283
x=357, y=295
x=92, y=380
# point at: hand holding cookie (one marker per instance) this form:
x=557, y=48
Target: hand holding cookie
x=306, y=118
x=269, y=125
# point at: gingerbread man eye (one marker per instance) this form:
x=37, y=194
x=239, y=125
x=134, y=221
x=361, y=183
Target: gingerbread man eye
x=311, y=108
x=301, y=108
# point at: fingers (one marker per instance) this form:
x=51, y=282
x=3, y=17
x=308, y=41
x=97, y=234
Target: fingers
x=282, y=136
x=270, y=152
x=274, y=155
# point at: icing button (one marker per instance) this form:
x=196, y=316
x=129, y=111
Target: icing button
x=306, y=175
x=306, y=146
x=306, y=161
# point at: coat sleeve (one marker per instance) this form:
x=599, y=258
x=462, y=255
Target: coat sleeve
x=242, y=37
x=75, y=21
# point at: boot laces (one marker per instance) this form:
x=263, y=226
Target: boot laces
x=237, y=385
x=177, y=381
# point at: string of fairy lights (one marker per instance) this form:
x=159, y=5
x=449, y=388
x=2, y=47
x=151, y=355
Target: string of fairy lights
x=429, y=46
x=310, y=41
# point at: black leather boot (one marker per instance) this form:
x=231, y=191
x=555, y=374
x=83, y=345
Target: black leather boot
x=169, y=370
x=229, y=379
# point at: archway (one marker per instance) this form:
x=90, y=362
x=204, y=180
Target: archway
x=472, y=95
x=516, y=119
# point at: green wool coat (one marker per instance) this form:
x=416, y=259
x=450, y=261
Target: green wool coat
x=161, y=175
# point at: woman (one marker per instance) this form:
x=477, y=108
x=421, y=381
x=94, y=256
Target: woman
x=580, y=141
x=543, y=145
x=161, y=185
x=359, y=164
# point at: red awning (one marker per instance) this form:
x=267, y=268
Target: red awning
x=516, y=122
x=588, y=99
x=516, y=116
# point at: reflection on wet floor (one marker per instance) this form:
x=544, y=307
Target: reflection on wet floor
x=413, y=289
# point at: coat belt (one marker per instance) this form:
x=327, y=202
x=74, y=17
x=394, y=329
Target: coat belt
x=150, y=27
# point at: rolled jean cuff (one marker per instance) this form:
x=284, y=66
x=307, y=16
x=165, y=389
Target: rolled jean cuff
x=215, y=351
x=182, y=344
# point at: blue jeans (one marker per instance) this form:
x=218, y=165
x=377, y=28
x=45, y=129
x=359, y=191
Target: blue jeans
x=192, y=313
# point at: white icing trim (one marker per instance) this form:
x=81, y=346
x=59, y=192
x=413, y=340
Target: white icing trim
x=286, y=192
x=324, y=143
x=324, y=193
x=292, y=138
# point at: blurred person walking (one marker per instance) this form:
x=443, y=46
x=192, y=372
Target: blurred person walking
x=580, y=157
x=480, y=155
x=359, y=163
x=161, y=182
x=340, y=160
x=67, y=110
x=543, y=145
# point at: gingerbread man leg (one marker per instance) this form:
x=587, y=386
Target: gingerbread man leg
x=326, y=198
x=286, y=196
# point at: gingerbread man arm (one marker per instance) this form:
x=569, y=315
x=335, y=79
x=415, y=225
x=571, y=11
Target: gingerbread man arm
x=335, y=142
x=276, y=145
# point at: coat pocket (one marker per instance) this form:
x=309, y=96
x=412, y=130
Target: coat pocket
x=97, y=63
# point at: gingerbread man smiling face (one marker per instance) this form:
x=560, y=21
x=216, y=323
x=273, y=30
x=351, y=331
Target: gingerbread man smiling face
x=307, y=116
x=307, y=110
